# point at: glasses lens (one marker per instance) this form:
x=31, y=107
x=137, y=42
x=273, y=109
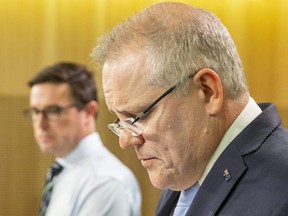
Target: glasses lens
x=53, y=112
x=134, y=129
x=28, y=114
x=115, y=128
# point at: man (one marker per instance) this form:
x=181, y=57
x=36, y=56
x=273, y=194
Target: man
x=63, y=108
x=172, y=75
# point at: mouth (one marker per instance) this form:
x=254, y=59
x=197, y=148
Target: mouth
x=45, y=138
x=147, y=162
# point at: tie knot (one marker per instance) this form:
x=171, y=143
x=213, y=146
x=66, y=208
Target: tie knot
x=53, y=171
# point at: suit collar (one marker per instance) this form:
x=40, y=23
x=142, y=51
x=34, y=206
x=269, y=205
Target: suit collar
x=255, y=134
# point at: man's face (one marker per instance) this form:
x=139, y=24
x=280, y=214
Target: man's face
x=170, y=148
x=56, y=136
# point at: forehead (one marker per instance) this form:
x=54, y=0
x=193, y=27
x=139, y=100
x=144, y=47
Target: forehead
x=126, y=82
x=44, y=94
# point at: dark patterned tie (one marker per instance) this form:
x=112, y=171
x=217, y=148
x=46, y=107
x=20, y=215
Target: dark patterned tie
x=53, y=171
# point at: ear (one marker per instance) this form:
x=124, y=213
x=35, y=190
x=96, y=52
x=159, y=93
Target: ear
x=92, y=108
x=211, y=90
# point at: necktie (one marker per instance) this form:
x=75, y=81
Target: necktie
x=53, y=171
x=185, y=199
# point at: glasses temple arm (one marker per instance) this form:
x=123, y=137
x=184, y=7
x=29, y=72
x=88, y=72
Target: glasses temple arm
x=142, y=114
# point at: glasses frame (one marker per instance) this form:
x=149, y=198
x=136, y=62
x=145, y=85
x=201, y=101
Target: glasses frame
x=28, y=113
x=132, y=123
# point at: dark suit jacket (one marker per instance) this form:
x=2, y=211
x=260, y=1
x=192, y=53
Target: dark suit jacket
x=257, y=162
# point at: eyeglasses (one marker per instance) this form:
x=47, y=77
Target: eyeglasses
x=51, y=113
x=131, y=125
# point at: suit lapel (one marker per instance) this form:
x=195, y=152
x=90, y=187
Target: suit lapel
x=217, y=185
x=167, y=203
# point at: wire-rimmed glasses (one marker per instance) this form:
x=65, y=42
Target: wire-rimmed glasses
x=135, y=129
x=131, y=125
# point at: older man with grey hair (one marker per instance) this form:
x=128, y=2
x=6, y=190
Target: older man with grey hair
x=174, y=79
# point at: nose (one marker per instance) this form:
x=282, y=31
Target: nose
x=126, y=140
x=41, y=120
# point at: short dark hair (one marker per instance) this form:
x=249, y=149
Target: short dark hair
x=77, y=76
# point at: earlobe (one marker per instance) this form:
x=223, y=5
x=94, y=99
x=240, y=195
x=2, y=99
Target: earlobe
x=212, y=90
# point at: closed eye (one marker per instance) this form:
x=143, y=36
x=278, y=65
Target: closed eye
x=146, y=116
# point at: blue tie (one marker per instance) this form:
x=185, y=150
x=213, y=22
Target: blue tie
x=53, y=171
x=185, y=199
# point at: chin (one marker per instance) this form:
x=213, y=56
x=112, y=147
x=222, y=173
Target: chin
x=163, y=181
x=45, y=151
x=158, y=181
x=46, y=148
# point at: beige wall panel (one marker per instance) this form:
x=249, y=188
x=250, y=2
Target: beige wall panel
x=35, y=33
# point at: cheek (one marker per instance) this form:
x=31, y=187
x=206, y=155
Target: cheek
x=73, y=120
x=178, y=140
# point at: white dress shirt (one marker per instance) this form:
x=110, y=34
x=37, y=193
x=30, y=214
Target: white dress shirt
x=94, y=183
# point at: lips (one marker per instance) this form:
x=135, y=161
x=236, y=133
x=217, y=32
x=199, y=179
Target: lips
x=45, y=138
x=147, y=162
x=147, y=159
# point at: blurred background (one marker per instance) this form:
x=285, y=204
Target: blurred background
x=37, y=33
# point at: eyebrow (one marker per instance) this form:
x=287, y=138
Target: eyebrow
x=131, y=112
x=51, y=105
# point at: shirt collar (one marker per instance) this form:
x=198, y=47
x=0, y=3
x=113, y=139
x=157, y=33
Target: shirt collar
x=87, y=145
x=248, y=114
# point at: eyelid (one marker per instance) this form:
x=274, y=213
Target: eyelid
x=147, y=115
x=49, y=108
x=124, y=115
x=53, y=106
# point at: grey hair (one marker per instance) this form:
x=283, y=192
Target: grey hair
x=178, y=41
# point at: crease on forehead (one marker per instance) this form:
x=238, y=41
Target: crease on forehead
x=124, y=79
